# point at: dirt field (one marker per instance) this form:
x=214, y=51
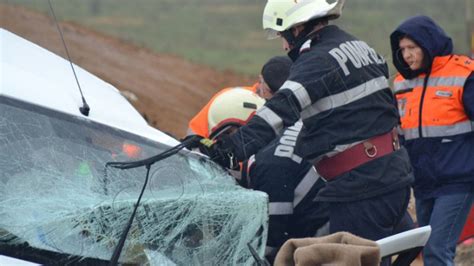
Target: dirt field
x=168, y=89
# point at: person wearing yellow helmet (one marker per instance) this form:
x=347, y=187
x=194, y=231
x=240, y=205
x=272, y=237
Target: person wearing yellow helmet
x=228, y=111
x=290, y=182
x=274, y=72
x=232, y=109
x=294, y=20
x=338, y=86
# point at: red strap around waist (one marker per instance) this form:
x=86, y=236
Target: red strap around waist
x=331, y=167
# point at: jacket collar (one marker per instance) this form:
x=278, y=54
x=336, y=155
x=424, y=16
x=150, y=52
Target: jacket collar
x=310, y=40
x=439, y=62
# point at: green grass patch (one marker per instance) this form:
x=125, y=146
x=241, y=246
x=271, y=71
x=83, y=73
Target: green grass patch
x=227, y=34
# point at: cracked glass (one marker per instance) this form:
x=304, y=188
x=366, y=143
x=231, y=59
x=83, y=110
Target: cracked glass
x=57, y=197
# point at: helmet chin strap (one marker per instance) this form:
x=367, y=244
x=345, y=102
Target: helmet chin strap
x=289, y=37
x=295, y=42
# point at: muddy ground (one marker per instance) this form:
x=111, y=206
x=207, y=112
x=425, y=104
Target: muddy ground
x=167, y=89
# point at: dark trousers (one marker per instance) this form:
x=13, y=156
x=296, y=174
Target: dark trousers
x=372, y=218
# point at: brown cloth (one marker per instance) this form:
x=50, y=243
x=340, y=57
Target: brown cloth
x=340, y=248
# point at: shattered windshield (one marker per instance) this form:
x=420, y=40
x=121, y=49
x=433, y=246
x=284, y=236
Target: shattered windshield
x=56, y=195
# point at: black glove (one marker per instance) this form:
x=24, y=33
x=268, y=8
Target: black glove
x=220, y=152
x=191, y=141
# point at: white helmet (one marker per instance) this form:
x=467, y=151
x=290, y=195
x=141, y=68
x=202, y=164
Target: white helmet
x=233, y=107
x=281, y=15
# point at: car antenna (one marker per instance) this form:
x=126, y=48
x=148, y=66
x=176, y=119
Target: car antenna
x=84, y=109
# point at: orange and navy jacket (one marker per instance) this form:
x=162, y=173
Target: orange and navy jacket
x=199, y=123
x=436, y=108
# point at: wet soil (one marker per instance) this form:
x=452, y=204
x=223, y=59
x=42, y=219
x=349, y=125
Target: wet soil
x=167, y=89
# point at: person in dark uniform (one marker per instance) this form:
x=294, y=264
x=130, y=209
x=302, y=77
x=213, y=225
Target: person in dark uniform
x=338, y=86
x=291, y=184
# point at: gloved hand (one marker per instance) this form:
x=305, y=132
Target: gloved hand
x=220, y=152
x=341, y=248
x=191, y=141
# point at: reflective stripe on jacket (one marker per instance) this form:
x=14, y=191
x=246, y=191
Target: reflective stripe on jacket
x=339, y=88
x=442, y=156
x=440, y=153
x=291, y=184
x=438, y=109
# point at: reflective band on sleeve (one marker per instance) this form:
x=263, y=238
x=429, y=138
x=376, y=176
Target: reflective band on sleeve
x=346, y=97
x=305, y=185
x=299, y=91
x=440, y=131
x=432, y=82
x=280, y=208
x=271, y=118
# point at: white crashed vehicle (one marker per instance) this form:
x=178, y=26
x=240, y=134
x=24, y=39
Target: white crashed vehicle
x=59, y=204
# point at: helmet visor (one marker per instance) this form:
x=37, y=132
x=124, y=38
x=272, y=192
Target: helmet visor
x=271, y=34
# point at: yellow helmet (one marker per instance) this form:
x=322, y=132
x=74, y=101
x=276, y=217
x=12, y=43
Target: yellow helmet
x=281, y=15
x=233, y=107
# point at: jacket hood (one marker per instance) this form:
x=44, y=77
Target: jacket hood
x=427, y=34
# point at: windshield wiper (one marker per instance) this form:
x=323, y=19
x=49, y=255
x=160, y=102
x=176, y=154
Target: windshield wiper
x=147, y=163
x=258, y=260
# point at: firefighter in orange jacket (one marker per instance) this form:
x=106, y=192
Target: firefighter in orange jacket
x=272, y=75
x=435, y=95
